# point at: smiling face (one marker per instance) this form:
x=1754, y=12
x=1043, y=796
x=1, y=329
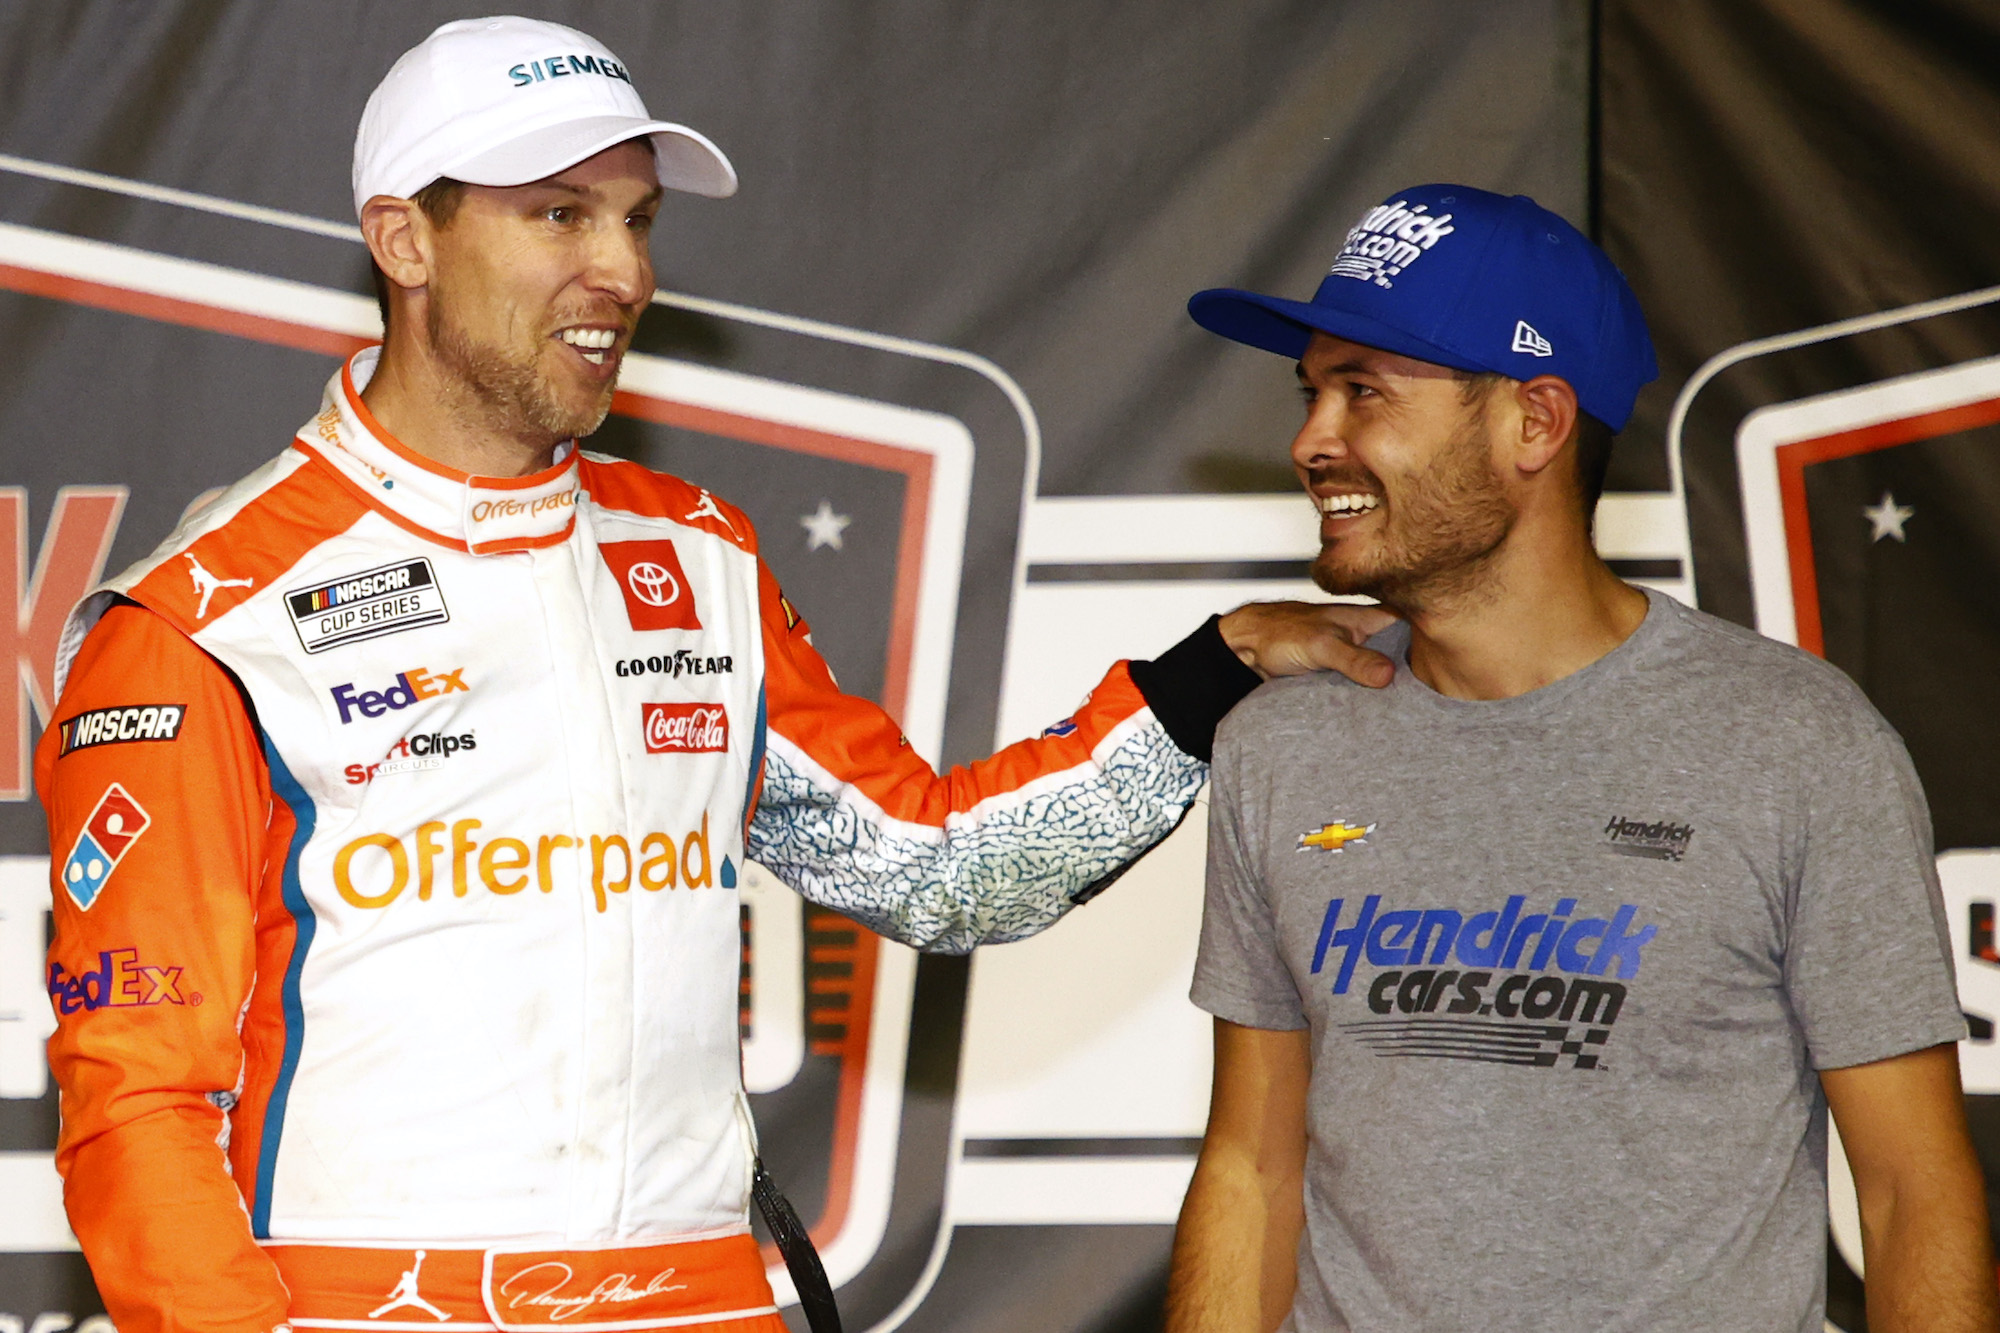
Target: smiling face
x=1400, y=465
x=534, y=290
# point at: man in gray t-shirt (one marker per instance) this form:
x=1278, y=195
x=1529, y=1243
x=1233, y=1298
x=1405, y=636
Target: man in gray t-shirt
x=1536, y=973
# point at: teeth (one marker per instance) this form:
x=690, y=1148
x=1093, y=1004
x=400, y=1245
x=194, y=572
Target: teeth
x=589, y=338
x=1349, y=504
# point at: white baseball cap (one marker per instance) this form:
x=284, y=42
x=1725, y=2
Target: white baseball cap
x=505, y=101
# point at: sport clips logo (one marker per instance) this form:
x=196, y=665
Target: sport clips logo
x=1507, y=1001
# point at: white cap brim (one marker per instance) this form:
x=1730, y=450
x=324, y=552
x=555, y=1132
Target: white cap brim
x=686, y=159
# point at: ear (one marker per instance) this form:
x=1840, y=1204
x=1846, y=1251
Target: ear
x=399, y=239
x=1548, y=413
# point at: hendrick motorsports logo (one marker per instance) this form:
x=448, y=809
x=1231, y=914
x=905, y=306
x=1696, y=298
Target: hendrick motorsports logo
x=1662, y=840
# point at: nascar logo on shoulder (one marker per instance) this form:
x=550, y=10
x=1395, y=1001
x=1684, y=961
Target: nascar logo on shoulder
x=107, y=835
x=112, y=726
x=386, y=600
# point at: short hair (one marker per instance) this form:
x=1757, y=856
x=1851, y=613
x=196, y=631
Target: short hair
x=439, y=202
x=1593, y=439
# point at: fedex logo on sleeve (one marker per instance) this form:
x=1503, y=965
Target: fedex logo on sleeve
x=410, y=686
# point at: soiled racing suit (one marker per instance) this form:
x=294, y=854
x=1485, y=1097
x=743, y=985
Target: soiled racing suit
x=397, y=817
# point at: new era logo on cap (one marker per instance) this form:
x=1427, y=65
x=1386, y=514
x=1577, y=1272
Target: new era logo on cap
x=1529, y=341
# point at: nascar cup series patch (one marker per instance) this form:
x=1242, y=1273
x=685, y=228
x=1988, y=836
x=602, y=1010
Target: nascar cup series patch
x=367, y=605
x=110, y=831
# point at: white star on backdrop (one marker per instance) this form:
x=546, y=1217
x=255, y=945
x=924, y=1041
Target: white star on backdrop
x=823, y=527
x=1888, y=518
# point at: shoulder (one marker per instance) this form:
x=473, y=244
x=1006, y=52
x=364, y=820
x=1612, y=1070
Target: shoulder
x=1763, y=683
x=1282, y=708
x=620, y=486
x=236, y=544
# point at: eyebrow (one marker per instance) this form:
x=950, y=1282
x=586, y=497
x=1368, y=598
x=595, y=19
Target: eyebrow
x=1348, y=367
x=652, y=196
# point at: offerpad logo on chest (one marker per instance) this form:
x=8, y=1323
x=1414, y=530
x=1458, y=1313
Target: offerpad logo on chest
x=656, y=591
x=686, y=728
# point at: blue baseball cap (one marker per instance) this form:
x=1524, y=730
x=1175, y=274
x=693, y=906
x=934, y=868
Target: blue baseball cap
x=1468, y=279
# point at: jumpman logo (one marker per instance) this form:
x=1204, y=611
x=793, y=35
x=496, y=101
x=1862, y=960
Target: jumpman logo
x=207, y=584
x=406, y=1294
x=705, y=508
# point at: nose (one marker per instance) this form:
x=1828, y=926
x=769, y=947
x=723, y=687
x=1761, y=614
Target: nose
x=621, y=265
x=1322, y=439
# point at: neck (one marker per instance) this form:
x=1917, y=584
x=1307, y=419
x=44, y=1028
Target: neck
x=431, y=410
x=1545, y=606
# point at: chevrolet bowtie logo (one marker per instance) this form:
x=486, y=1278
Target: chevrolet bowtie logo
x=1335, y=837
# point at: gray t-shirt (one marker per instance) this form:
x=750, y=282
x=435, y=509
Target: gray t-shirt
x=1570, y=962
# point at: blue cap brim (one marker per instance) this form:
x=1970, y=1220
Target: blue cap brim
x=1285, y=327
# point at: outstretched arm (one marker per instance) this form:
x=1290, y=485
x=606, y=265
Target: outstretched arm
x=1235, y=1264
x=1924, y=1232
x=850, y=816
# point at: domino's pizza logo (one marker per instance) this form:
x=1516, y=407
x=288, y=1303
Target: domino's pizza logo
x=107, y=835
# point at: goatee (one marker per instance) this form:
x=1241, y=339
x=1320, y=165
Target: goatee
x=512, y=388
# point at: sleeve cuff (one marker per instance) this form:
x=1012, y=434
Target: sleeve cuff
x=1192, y=686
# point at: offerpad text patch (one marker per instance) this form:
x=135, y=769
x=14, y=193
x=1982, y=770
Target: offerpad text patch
x=686, y=728
x=655, y=588
x=367, y=605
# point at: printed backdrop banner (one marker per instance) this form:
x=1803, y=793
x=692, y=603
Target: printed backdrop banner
x=936, y=349
x=952, y=282
x=1804, y=191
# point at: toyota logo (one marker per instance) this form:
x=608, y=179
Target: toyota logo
x=652, y=584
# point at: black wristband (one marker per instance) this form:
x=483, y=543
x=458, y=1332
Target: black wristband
x=1193, y=685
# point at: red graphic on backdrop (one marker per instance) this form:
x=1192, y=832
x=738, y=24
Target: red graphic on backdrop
x=686, y=728
x=656, y=591
x=74, y=546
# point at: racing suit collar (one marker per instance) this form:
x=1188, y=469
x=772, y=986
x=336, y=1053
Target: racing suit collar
x=483, y=515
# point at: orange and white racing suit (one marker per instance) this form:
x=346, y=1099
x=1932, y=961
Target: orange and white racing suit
x=396, y=820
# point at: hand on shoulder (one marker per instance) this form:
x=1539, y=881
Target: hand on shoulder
x=1292, y=638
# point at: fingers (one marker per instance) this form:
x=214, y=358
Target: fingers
x=1362, y=623
x=1363, y=666
x=1291, y=638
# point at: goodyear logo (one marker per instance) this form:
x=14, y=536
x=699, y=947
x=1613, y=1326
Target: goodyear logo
x=119, y=981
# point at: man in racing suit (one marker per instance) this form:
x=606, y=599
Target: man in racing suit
x=395, y=881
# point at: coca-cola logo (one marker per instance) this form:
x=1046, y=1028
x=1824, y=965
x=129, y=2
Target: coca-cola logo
x=686, y=728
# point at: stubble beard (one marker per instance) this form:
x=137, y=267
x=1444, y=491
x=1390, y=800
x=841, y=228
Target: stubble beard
x=1440, y=537
x=510, y=389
